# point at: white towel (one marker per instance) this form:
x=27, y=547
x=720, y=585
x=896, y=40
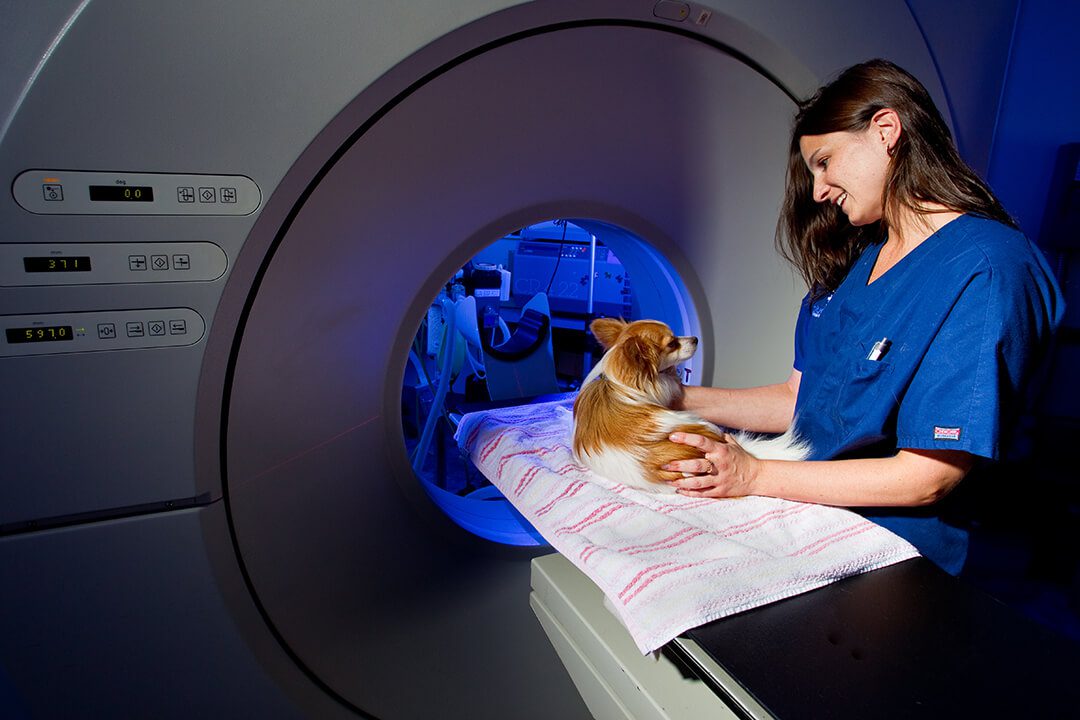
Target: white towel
x=667, y=563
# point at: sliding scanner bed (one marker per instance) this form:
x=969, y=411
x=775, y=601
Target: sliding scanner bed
x=614, y=678
x=906, y=641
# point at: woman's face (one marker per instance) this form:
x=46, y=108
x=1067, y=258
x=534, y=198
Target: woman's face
x=849, y=170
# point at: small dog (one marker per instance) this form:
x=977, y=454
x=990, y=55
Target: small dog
x=623, y=415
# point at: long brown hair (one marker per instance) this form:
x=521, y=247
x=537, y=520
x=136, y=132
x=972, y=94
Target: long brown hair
x=925, y=168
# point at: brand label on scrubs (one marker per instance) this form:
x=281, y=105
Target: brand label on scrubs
x=946, y=433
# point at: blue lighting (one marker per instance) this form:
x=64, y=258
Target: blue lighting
x=540, y=285
x=486, y=513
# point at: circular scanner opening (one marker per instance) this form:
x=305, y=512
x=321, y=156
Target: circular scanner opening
x=510, y=328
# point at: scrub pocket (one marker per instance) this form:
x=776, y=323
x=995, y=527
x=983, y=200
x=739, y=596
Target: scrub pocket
x=860, y=404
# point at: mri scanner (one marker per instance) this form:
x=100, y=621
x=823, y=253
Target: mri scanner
x=226, y=222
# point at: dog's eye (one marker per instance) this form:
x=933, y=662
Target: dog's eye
x=673, y=344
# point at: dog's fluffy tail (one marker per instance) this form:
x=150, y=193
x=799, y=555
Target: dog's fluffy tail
x=788, y=446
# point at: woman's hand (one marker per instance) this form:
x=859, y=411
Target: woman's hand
x=726, y=470
x=911, y=478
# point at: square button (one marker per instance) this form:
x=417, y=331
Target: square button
x=159, y=262
x=156, y=328
x=53, y=193
x=136, y=262
x=207, y=195
x=228, y=195
x=135, y=329
x=185, y=194
x=181, y=262
x=106, y=331
x=178, y=327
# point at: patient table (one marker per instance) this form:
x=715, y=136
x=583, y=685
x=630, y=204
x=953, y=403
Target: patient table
x=897, y=639
x=906, y=641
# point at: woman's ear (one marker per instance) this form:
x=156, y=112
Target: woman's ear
x=886, y=128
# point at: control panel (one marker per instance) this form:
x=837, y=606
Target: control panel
x=25, y=265
x=77, y=192
x=55, y=333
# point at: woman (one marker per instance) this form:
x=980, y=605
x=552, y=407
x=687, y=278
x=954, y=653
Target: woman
x=926, y=313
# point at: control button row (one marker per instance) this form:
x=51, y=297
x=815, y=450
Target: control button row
x=137, y=329
x=76, y=192
x=184, y=195
x=159, y=262
x=188, y=194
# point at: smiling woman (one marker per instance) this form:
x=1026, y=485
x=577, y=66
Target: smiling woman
x=842, y=162
x=926, y=314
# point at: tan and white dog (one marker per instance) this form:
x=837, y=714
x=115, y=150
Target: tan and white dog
x=623, y=414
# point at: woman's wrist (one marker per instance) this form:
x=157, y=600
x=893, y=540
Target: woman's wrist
x=684, y=400
x=758, y=473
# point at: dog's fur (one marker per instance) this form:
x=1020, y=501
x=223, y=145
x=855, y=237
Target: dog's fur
x=623, y=415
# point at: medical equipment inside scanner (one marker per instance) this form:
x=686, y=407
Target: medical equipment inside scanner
x=256, y=260
x=511, y=326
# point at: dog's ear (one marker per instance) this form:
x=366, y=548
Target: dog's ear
x=640, y=361
x=607, y=330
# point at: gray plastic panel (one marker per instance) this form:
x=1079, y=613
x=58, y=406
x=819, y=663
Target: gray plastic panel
x=27, y=265
x=99, y=331
x=72, y=192
x=141, y=590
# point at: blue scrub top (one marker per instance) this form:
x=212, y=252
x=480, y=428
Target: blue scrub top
x=967, y=313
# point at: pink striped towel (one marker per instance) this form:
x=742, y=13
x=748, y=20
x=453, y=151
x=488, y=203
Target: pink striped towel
x=666, y=563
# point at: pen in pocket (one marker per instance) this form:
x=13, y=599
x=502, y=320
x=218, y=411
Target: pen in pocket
x=880, y=348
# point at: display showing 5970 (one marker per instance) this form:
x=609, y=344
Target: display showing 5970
x=49, y=333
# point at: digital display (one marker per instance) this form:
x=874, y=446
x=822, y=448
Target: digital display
x=51, y=333
x=121, y=193
x=80, y=263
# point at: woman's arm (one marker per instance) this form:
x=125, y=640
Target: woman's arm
x=909, y=478
x=764, y=409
